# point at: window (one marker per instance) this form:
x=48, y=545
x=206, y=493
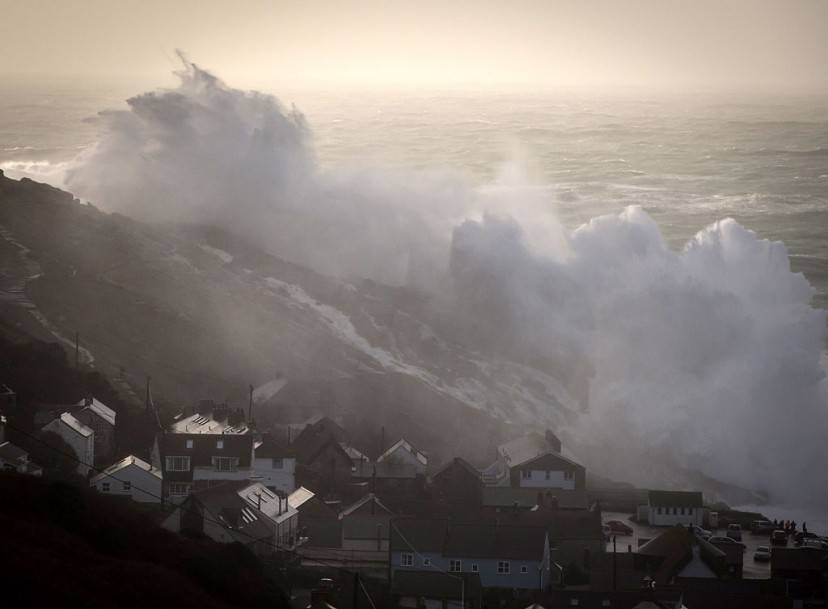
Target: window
x=219, y=444
x=682, y=511
x=406, y=559
x=548, y=474
x=524, y=569
x=179, y=488
x=127, y=486
x=277, y=463
x=455, y=565
x=189, y=443
x=658, y=510
x=503, y=567
x=568, y=476
x=225, y=464
x=105, y=487
x=689, y=511
x=475, y=568
x=525, y=473
x=426, y=562
x=178, y=464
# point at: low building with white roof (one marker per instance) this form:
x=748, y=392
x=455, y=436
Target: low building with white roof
x=78, y=436
x=101, y=419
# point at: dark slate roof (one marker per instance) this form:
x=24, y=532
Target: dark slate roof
x=435, y=584
x=311, y=443
x=459, y=464
x=676, y=499
x=271, y=448
x=384, y=469
x=486, y=540
x=523, y=449
x=560, y=524
x=224, y=503
x=422, y=534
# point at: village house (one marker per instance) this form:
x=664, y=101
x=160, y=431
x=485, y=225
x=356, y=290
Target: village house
x=274, y=465
x=79, y=437
x=212, y=446
x=101, y=419
x=458, y=486
x=319, y=524
x=250, y=514
x=15, y=459
x=403, y=452
x=398, y=483
x=130, y=477
x=321, y=462
x=366, y=524
x=669, y=508
x=534, y=461
x=504, y=556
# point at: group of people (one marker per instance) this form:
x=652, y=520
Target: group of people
x=789, y=526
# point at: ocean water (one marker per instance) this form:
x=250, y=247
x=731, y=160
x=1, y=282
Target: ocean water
x=688, y=161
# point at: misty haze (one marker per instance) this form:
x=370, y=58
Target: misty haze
x=404, y=304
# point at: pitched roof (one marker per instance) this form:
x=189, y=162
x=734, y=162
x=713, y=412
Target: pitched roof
x=72, y=423
x=420, y=534
x=311, y=443
x=11, y=452
x=490, y=540
x=460, y=464
x=525, y=448
x=126, y=462
x=354, y=453
x=300, y=496
x=365, y=500
x=675, y=549
x=403, y=444
x=224, y=503
x=100, y=409
x=275, y=507
x=204, y=423
x=676, y=499
x=550, y=460
x=271, y=448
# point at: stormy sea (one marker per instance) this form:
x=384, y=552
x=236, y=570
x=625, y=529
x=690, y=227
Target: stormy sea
x=688, y=161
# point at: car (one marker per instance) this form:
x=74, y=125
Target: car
x=702, y=533
x=734, y=531
x=617, y=527
x=762, y=554
x=761, y=527
x=718, y=540
x=779, y=538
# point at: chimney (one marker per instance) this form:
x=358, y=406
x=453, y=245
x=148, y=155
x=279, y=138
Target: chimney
x=259, y=501
x=87, y=401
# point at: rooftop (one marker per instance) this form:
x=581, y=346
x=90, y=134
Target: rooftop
x=527, y=498
x=526, y=448
x=127, y=462
x=100, y=409
x=403, y=444
x=300, y=496
x=676, y=499
x=274, y=506
x=11, y=452
x=207, y=423
x=72, y=423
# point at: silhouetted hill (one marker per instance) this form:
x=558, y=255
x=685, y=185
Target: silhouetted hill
x=67, y=547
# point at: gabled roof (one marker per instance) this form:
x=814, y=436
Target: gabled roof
x=204, y=423
x=11, y=452
x=492, y=540
x=131, y=460
x=364, y=501
x=100, y=409
x=300, y=496
x=224, y=503
x=72, y=423
x=550, y=460
x=271, y=448
x=262, y=499
x=675, y=499
x=403, y=444
x=460, y=464
x=311, y=443
x=354, y=453
x=523, y=449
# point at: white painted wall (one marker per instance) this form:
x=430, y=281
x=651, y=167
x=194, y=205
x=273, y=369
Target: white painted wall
x=538, y=480
x=283, y=479
x=145, y=488
x=690, y=516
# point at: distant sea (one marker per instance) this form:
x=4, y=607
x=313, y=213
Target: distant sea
x=687, y=160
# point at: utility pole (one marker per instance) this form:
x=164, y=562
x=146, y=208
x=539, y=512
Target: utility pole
x=356, y=590
x=614, y=565
x=147, y=398
x=77, y=350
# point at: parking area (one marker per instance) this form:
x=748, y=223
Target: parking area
x=751, y=568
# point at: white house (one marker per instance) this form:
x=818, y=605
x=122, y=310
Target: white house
x=669, y=508
x=281, y=516
x=130, y=477
x=403, y=452
x=77, y=435
x=274, y=465
x=101, y=419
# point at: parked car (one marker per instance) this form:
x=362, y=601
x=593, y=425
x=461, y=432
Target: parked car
x=761, y=527
x=734, y=531
x=717, y=540
x=779, y=538
x=702, y=533
x=617, y=527
x=762, y=554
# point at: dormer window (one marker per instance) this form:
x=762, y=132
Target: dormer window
x=219, y=444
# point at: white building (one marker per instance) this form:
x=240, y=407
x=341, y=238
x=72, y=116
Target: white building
x=78, y=436
x=274, y=465
x=669, y=508
x=130, y=477
x=404, y=453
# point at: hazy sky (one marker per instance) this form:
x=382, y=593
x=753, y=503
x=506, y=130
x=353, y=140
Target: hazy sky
x=662, y=43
